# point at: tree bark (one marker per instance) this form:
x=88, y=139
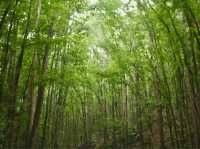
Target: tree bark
x=41, y=92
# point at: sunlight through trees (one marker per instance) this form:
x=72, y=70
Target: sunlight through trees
x=99, y=74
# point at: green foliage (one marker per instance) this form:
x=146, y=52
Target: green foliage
x=107, y=71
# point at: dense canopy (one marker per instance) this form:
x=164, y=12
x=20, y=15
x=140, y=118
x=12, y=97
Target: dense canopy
x=99, y=74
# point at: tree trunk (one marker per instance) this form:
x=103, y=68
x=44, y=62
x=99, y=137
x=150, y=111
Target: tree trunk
x=41, y=92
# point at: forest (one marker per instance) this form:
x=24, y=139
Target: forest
x=99, y=74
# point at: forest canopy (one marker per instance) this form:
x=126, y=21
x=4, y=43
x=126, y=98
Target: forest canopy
x=99, y=74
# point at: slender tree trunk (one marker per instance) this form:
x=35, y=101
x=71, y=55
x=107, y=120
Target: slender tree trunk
x=32, y=89
x=41, y=92
x=160, y=115
x=11, y=134
x=138, y=98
